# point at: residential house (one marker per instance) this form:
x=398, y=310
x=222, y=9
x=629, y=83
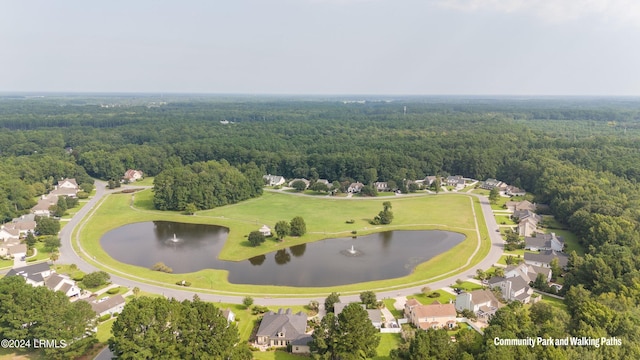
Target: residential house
x=301, y=345
x=513, y=289
x=282, y=328
x=434, y=316
x=375, y=316
x=456, y=181
x=62, y=283
x=528, y=226
x=273, y=180
x=355, y=187
x=65, y=187
x=544, y=242
x=408, y=307
x=528, y=272
x=132, y=175
x=428, y=181
x=514, y=191
x=229, y=315
x=325, y=182
x=543, y=258
x=34, y=274
x=520, y=205
x=305, y=181
x=381, y=186
x=24, y=224
x=481, y=302
x=265, y=230
x=9, y=233
x=17, y=250
x=106, y=306
x=527, y=221
x=43, y=205
x=489, y=184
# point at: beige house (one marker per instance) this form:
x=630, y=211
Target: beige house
x=434, y=316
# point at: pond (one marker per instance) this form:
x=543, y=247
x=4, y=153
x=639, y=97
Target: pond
x=191, y=247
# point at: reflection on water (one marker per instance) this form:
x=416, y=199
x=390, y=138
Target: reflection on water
x=383, y=255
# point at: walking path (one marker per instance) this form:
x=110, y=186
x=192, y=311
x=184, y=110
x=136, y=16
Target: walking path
x=68, y=255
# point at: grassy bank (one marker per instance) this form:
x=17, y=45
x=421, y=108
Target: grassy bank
x=325, y=218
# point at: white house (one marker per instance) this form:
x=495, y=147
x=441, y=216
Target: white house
x=273, y=180
x=355, y=187
x=132, y=175
x=544, y=242
x=480, y=302
x=62, y=283
x=8, y=233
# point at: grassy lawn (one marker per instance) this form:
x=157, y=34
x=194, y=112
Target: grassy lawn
x=503, y=258
x=121, y=290
x=504, y=220
x=277, y=355
x=388, y=342
x=6, y=263
x=16, y=354
x=42, y=254
x=425, y=300
x=389, y=304
x=104, y=330
x=325, y=218
x=468, y=286
x=570, y=241
x=480, y=191
x=555, y=302
x=386, y=193
x=147, y=181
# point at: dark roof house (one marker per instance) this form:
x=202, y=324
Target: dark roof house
x=281, y=328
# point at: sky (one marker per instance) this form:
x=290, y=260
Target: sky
x=378, y=47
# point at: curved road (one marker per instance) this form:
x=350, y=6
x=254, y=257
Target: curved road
x=69, y=256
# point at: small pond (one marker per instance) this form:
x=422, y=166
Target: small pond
x=191, y=247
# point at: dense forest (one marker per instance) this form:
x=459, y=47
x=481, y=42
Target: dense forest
x=579, y=155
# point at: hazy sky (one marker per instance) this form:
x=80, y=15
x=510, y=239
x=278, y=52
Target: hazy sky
x=510, y=47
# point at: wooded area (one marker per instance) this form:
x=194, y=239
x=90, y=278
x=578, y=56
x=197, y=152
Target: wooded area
x=580, y=156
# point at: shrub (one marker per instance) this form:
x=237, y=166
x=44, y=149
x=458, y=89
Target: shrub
x=115, y=314
x=160, y=266
x=82, y=195
x=113, y=291
x=31, y=260
x=434, y=294
x=354, y=232
x=183, y=283
x=259, y=310
x=77, y=276
x=95, y=279
x=351, y=221
x=104, y=317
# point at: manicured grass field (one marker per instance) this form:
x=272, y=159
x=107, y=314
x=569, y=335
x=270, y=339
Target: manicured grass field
x=389, y=304
x=104, y=330
x=388, y=342
x=277, y=355
x=425, y=300
x=504, y=220
x=570, y=241
x=555, y=302
x=325, y=218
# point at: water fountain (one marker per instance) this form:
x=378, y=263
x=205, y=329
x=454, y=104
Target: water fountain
x=174, y=239
x=351, y=252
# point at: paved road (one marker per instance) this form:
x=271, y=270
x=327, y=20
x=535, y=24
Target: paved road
x=69, y=256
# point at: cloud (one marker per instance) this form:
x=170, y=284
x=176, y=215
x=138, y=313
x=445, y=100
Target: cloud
x=626, y=12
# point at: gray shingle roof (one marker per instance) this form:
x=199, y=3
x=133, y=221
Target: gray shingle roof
x=292, y=325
